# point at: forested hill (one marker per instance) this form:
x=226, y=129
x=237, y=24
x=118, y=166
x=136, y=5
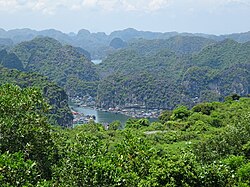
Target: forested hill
x=63, y=64
x=204, y=145
x=223, y=54
x=178, y=44
x=149, y=55
x=5, y=43
x=167, y=78
x=147, y=73
x=98, y=44
x=60, y=113
x=10, y=60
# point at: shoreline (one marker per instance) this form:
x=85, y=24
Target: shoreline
x=130, y=112
x=137, y=112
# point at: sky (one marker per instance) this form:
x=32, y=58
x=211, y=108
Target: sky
x=195, y=16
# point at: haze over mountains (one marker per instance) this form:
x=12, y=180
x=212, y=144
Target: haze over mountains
x=142, y=93
x=145, y=69
x=140, y=71
x=98, y=44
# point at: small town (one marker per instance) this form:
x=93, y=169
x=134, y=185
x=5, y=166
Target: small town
x=138, y=112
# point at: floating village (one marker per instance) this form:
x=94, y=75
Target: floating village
x=134, y=111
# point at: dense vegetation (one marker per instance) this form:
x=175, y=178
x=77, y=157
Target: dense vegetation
x=59, y=113
x=5, y=43
x=187, y=71
x=178, y=44
x=10, y=60
x=149, y=73
x=65, y=65
x=98, y=44
x=207, y=145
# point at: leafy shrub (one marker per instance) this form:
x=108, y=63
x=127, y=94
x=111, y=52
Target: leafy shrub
x=180, y=113
x=24, y=127
x=204, y=108
x=15, y=170
x=244, y=173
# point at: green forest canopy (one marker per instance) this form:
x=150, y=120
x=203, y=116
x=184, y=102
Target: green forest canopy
x=151, y=73
x=207, y=145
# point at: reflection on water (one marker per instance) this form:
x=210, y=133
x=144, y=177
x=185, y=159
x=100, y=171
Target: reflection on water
x=101, y=116
x=105, y=117
x=96, y=61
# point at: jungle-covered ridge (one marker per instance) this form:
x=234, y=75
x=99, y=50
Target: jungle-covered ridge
x=207, y=145
x=146, y=72
x=101, y=44
x=194, y=143
x=178, y=73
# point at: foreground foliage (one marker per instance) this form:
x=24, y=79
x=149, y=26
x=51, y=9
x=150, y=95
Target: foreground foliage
x=208, y=145
x=25, y=133
x=60, y=113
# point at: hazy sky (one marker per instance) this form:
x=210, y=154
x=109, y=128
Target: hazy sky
x=207, y=16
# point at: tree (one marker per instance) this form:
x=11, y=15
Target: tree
x=137, y=123
x=180, y=113
x=115, y=125
x=24, y=127
x=17, y=171
x=204, y=108
x=165, y=116
x=233, y=97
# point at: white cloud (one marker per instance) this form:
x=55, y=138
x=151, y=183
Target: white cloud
x=6, y=5
x=157, y=4
x=51, y=6
x=122, y=5
x=108, y=5
x=218, y=3
x=44, y=6
x=89, y=3
x=128, y=6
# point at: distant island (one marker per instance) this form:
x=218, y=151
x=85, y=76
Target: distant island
x=100, y=45
x=139, y=72
x=195, y=86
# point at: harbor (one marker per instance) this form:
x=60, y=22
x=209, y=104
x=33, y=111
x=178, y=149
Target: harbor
x=84, y=113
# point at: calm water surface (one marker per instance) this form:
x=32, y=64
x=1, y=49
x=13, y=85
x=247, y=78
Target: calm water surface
x=104, y=117
x=96, y=61
x=101, y=116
